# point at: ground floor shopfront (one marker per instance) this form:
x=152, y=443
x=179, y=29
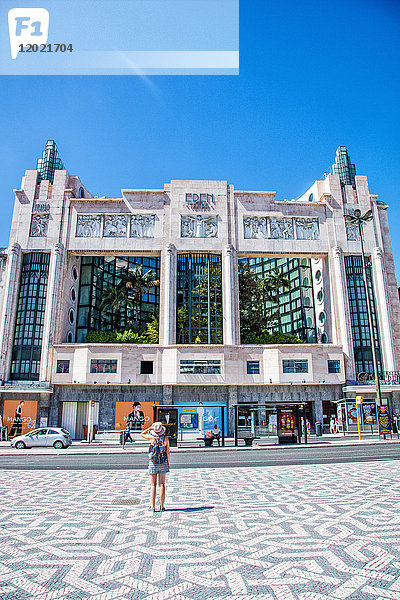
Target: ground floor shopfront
x=67, y=405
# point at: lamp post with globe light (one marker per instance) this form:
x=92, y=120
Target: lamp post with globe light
x=358, y=219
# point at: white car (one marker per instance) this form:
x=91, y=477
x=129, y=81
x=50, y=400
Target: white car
x=58, y=437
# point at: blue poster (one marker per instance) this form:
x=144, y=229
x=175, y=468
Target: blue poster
x=188, y=417
x=384, y=420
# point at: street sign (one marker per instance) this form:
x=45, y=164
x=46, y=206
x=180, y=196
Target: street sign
x=91, y=402
x=359, y=399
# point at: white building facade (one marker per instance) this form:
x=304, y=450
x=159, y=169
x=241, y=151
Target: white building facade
x=66, y=246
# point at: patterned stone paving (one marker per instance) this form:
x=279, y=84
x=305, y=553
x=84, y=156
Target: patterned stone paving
x=271, y=533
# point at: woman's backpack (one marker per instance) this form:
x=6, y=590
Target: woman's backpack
x=158, y=452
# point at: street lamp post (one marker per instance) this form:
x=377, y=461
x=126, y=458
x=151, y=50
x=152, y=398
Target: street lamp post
x=358, y=219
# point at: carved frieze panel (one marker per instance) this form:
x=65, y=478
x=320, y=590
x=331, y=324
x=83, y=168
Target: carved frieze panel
x=39, y=225
x=197, y=226
x=255, y=227
x=281, y=228
x=142, y=226
x=307, y=228
x=88, y=226
x=115, y=226
x=353, y=232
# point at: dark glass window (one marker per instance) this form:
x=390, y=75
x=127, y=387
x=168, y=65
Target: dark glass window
x=359, y=315
x=253, y=367
x=199, y=300
x=146, y=367
x=295, y=366
x=101, y=274
x=206, y=367
x=103, y=366
x=28, y=332
x=295, y=313
x=333, y=366
x=62, y=366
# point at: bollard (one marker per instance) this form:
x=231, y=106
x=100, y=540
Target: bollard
x=318, y=428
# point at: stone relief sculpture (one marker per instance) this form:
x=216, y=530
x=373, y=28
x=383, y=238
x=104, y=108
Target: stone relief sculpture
x=281, y=228
x=353, y=232
x=255, y=227
x=199, y=227
x=307, y=229
x=142, y=226
x=115, y=226
x=39, y=225
x=88, y=226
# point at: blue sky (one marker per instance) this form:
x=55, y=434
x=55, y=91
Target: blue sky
x=313, y=76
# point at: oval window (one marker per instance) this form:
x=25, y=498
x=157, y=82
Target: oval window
x=73, y=294
x=321, y=317
x=70, y=337
x=324, y=338
x=71, y=316
x=74, y=273
x=320, y=296
x=318, y=275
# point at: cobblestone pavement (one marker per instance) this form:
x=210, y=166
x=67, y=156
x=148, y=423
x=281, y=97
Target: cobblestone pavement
x=266, y=533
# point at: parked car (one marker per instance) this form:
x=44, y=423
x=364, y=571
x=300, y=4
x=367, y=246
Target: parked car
x=58, y=437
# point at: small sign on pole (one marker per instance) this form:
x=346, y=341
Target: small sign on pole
x=359, y=401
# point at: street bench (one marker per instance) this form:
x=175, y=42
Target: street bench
x=208, y=441
x=249, y=440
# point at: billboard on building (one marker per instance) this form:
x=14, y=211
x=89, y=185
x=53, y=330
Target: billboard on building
x=19, y=416
x=138, y=414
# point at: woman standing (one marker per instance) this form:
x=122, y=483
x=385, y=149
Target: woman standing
x=158, y=461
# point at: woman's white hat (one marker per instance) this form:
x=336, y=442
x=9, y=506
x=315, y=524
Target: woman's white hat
x=158, y=428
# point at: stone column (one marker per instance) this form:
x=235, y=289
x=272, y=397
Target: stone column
x=343, y=323
x=382, y=308
x=9, y=308
x=168, y=303
x=54, y=284
x=232, y=400
x=230, y=298
x=318, y=412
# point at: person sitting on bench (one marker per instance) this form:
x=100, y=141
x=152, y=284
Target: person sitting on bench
x=216, y=434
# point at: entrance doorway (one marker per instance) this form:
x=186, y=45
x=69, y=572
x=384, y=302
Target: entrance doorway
x=74, y=417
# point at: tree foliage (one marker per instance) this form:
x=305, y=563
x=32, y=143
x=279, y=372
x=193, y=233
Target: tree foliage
x=126, y=336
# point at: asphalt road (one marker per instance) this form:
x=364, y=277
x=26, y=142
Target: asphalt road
x=298, y=455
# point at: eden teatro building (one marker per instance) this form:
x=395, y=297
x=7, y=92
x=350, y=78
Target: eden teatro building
x=160, y=297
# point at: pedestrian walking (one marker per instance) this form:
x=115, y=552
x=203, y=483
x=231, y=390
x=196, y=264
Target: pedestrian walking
x=332, y=425
x=159, y=452
x=128, y=436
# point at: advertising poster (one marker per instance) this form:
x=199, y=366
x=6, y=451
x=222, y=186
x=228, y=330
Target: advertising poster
x=189, y=420
x=19, y=416
x=286, y=423
x=384, y=421
x=369, y=413
x=138, y=414
x=351, y=413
